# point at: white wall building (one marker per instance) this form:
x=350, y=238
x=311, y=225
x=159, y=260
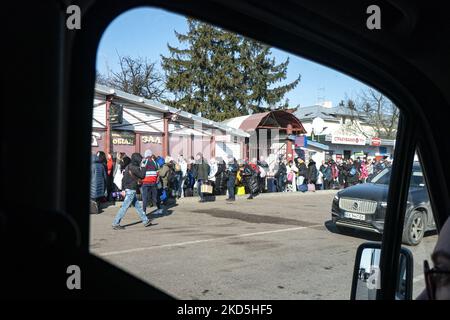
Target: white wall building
x=346, y=134
x=165, y=130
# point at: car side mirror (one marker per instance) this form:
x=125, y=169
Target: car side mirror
x=367, y=275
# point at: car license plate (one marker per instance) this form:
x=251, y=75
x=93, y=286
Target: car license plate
x=355, y=216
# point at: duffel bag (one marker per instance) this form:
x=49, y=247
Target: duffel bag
x=303, y=188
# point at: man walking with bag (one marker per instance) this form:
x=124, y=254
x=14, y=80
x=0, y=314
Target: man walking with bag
x=131, y=177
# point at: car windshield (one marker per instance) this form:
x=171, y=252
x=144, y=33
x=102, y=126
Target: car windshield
x=383, y=177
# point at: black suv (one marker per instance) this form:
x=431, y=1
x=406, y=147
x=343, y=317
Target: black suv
x=363, y=206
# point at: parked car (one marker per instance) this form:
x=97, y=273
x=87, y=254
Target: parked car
x=363, y=206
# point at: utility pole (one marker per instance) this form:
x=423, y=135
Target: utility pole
x=108, y=143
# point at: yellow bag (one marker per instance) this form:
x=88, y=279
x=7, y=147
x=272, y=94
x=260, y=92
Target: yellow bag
x=241, y=190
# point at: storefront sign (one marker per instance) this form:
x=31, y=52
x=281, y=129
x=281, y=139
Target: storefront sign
x=151, y=139
x=353, y=140
x=301, y=141
x=376, y=142
x=123, y=138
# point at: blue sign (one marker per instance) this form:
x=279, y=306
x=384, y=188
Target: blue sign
x=301, y=141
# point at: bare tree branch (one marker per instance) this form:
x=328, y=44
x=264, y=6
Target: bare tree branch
x=373, y=109
x=137, y=76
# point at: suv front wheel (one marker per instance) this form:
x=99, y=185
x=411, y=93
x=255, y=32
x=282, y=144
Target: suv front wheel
x=414, y=228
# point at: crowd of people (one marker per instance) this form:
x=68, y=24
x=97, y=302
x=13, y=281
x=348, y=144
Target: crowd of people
x=157, y=180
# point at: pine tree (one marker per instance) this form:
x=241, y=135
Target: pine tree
x=221, y=74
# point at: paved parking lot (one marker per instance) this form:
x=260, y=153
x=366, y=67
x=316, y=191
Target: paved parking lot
x=277, y=246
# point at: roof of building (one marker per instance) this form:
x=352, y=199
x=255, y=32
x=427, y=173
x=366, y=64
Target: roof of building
x=157, y=106
x=271, y=119
x=331, y=114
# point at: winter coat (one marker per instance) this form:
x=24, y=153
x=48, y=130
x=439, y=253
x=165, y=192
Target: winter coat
x=133, y=172
x=313, y=173
x=201, y=170
x=281, y=171
x=352, y=179
x=302, y=169
x=183, y=166
x=326, y=172
x=334, y=171
x=151, y=171
x=250, y=179
x=221, y=179
x=342, y=175
x=98, y=178
x=291, y=173
x=164, y=175
x=364, y=173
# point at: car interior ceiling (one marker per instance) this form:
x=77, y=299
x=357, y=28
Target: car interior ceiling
x=52, y=70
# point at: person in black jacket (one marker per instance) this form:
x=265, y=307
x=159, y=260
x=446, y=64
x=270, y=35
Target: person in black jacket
x=231, y=172
x=250, y=179
x=342, y=175
x=221, y=177
x=281, y=175
x=312, y=174
x=131, y=176
x=302, y=171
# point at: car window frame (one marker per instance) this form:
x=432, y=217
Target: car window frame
x=84, y=43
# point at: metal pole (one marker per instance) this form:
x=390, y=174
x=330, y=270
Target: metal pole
x=108, y=144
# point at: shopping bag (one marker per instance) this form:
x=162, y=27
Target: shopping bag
x=206, y=188
x=311, y=187
x=303, y=188
x=240, y=190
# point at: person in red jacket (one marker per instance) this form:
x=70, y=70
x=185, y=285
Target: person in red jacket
x=149, y=189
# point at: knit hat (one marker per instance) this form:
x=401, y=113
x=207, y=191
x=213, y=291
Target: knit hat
x=148, y=153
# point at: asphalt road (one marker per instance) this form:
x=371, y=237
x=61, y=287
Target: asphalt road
x=276, y=246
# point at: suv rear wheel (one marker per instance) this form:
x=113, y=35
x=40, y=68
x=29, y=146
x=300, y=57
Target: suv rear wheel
x=414, y=228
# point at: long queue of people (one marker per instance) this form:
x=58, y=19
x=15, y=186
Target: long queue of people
x=157, y=180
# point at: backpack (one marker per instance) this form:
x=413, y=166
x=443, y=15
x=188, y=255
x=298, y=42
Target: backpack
x=160, y=161
x=303, y=188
